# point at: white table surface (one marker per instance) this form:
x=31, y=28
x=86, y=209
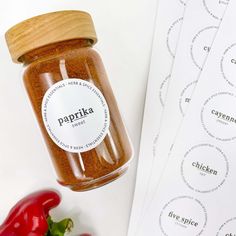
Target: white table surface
x=125, y=29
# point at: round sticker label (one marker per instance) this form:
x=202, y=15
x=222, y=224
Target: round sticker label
x=183, y=216
x=76, y=115
x=204, y=168
x=219, y=119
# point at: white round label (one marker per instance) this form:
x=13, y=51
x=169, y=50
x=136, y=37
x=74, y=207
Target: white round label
x=219, y=120
x=183, y=216
x=76, y=115
x=204, y=168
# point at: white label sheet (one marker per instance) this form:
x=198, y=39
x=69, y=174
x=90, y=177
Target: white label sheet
x=196, y=195
x=201, y=21
x=168, y=25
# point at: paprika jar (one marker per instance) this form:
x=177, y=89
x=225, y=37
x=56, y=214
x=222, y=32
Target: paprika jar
x=72, y=98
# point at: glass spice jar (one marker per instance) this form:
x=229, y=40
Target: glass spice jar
x=72, y=98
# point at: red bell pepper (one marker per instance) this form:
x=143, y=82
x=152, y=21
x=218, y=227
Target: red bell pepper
x=30, y=217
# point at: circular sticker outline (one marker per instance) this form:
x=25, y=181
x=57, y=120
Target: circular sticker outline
x=184, y=197
x=225, y=159
x=168, y=35
x=222, y=67
x=182, y=93
x=210, y=12
x=202, y=110
x=161, y=89
x=193, y=41
x=52, y=134
x=223, y=225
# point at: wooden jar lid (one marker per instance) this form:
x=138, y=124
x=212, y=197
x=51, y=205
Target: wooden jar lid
x=49, y=28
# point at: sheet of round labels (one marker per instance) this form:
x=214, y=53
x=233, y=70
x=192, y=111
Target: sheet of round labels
x=168, y=25
x=190, y=186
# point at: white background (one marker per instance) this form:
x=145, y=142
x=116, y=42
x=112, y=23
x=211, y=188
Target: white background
x=125, y=29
